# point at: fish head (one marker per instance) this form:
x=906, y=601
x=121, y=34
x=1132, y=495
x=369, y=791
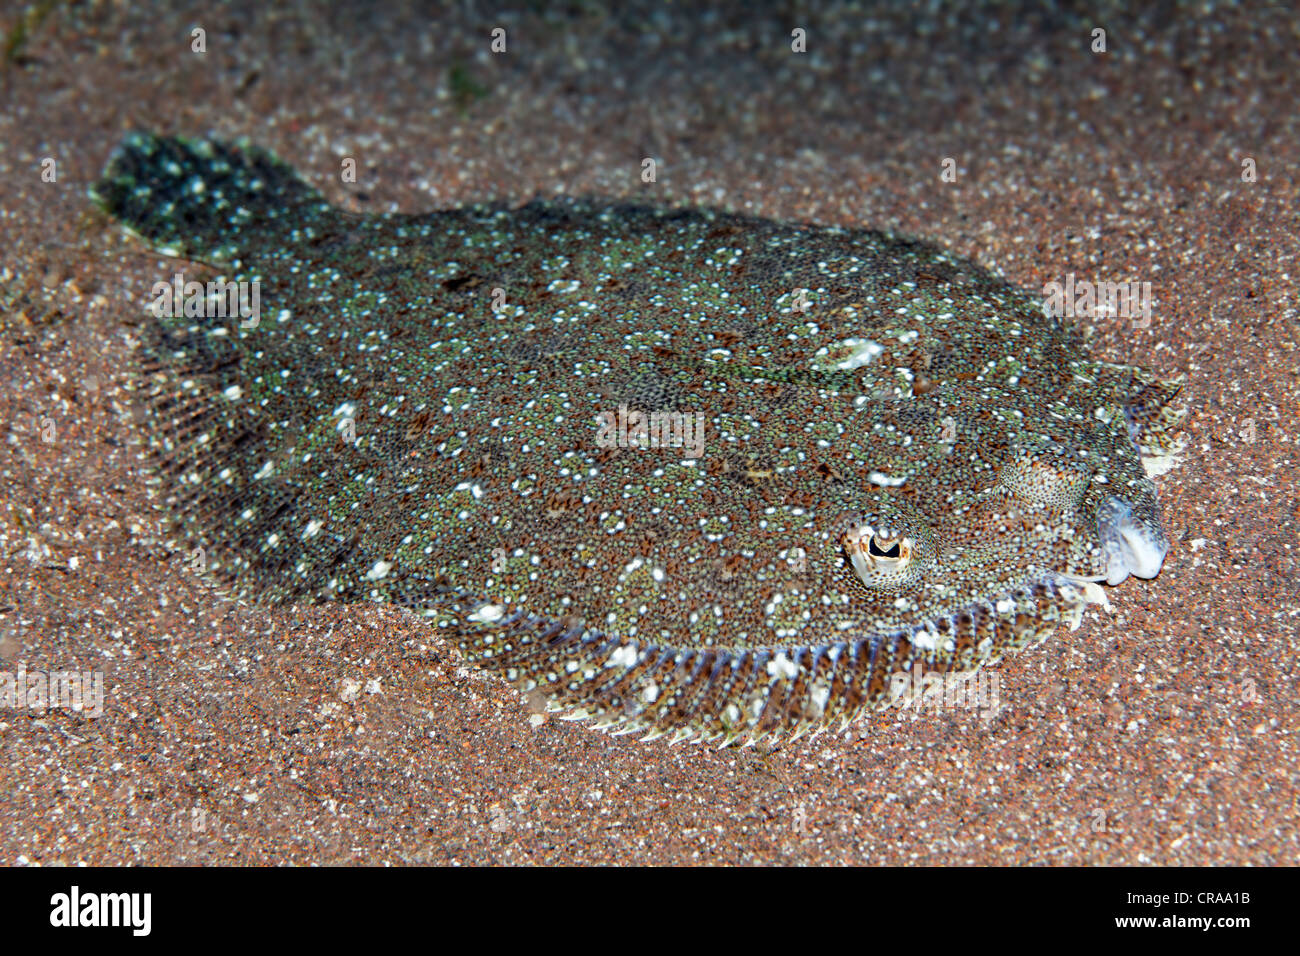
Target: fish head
x=968, y=498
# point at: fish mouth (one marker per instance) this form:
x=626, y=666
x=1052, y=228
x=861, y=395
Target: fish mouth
x=1131, y=545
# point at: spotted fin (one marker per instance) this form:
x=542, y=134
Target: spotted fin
x=196, y=198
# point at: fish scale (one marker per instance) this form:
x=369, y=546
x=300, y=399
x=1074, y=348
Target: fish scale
x=903, y=460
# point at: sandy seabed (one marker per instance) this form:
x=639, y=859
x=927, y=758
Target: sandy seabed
x=1160, y=732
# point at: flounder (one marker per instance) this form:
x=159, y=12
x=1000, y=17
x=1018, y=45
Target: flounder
x=681, y=471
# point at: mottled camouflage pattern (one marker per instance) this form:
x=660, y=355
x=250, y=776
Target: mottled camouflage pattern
x=415, y=420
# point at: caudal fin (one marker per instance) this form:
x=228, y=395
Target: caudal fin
x=202, y=199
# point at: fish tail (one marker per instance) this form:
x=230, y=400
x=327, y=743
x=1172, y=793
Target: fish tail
x=199, y=198
x=215, y=381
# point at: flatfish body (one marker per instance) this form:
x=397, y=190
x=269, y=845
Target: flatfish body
x=679, y=471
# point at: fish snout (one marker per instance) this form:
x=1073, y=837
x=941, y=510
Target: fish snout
x=1132, y=545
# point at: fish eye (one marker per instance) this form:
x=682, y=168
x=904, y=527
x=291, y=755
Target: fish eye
x=877, y=550
x=881, y=555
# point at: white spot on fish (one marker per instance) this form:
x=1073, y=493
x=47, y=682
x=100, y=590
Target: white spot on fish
x=781, y=667
x=625, y=656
